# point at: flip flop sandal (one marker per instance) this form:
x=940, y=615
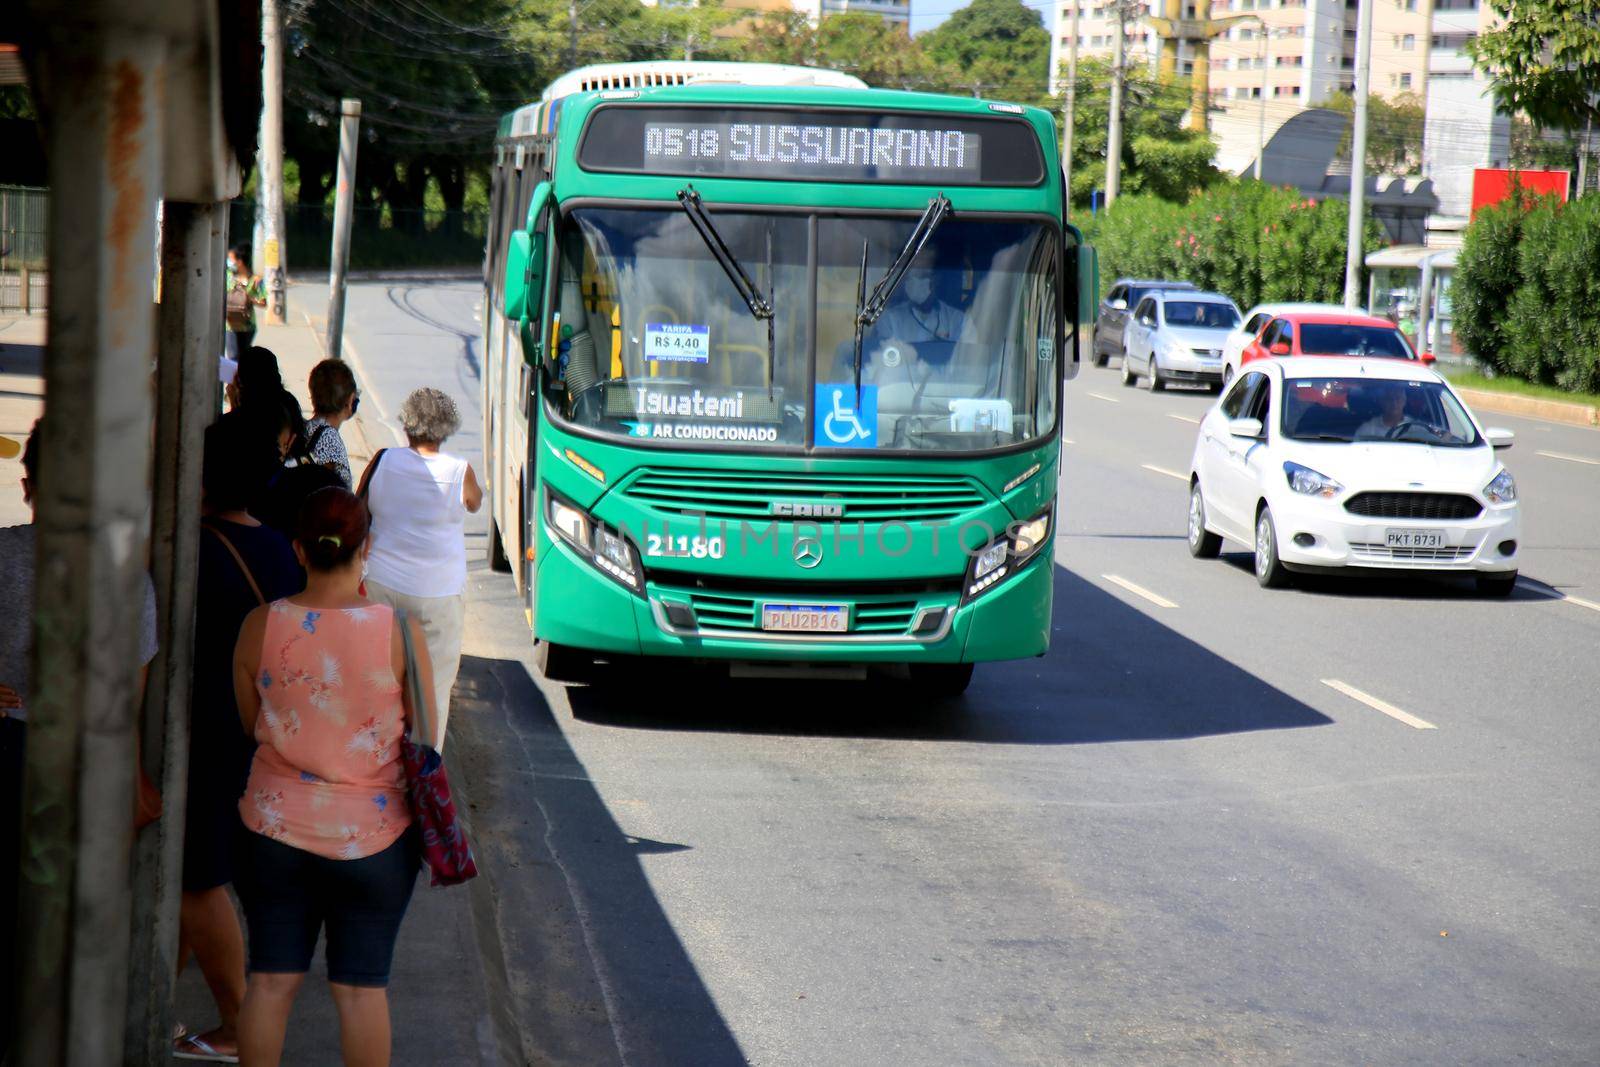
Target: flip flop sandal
x=195, y=1047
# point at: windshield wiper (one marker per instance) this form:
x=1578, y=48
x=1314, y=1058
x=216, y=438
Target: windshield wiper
x=761, y=307
x=870, y=308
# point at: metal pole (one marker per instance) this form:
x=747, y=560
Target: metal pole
x=103, y=92
x=1583, y=160
x=189, y=326
x=1114, y=133
x=1070, y=116
x=572, y=29
x=1358, y=159
x=343, y=202
x=273, y=254
x=1261, y=120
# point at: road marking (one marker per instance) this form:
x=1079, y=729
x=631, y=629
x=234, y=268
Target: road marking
x=1107, y=399
x=1570, y=459
x=1139, y=590
x=1190, y=419
x=1379, y=705
x=1550, y=592
x=1163, y=470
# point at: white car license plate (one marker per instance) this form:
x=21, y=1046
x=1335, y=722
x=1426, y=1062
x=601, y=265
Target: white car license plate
x=806, y=618
x=1416, y=538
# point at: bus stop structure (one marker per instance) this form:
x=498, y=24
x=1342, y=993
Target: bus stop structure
x=140, y=101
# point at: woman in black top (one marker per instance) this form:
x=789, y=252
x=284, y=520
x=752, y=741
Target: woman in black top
x=239, y=458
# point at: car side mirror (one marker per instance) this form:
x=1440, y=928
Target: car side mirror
x=1500, y=437
x=1281, y=348
x=1118, y=304
x=1249, y=428
x=1429, y=358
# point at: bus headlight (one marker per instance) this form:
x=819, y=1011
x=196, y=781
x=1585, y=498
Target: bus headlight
x=604, y=548
x=1007, y=554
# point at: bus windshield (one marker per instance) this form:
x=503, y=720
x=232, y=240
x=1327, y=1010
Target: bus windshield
x=659, y=346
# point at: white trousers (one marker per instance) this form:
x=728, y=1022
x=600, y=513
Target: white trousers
x=442, y=619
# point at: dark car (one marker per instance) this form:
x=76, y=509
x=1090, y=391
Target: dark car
x=1112, y=321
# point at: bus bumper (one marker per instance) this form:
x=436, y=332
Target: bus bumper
x=579, y=607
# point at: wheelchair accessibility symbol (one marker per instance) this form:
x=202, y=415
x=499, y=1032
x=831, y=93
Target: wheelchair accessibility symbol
x=839, y=423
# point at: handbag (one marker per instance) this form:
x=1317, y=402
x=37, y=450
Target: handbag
x=238, y=306
x=445, y=849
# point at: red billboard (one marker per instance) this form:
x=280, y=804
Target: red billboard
x=1491, y=185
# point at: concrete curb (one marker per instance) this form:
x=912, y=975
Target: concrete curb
x=1532, y=407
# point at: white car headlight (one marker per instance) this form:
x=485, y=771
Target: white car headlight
x=1503, y=490
x=1174, y=348
x=1310, y=482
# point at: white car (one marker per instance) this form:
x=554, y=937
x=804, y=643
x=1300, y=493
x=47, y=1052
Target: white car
x=1366, y=463
x=1176, y=336
x=1256, y=318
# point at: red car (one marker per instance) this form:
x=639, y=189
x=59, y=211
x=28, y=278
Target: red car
x=1321, y=333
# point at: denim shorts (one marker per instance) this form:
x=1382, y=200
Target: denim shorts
x=290, y=895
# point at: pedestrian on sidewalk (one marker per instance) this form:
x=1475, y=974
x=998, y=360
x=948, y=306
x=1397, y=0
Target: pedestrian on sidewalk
x=242, y=565
x=321, y=683
x=256, y=374
x=420, y=497
x=246, y=292
x=17, y=558
x=297, y=475
x=334, y=400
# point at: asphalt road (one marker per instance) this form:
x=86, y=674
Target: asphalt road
x=1178, y=838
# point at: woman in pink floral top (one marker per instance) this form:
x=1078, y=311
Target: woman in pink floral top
x=319, y=678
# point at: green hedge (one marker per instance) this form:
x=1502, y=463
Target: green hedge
x=1527, y=291
x=1252, y=241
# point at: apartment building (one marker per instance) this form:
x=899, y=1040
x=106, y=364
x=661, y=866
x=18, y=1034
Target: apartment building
x=896, y=12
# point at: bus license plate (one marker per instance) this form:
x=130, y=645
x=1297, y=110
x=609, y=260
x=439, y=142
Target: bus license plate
x=806, y=618
x=1416, y=538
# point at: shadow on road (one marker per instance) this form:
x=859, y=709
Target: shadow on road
x=585, y=968
x=1380, y=585
x=1113, y=674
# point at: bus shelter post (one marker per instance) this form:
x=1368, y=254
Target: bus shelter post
x=189, y=327
x=102, y=87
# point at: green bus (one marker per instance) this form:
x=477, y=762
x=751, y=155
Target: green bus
x=773, y=371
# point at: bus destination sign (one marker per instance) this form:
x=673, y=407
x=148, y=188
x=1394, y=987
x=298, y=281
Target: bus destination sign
x=813, y=150
x=812, y=144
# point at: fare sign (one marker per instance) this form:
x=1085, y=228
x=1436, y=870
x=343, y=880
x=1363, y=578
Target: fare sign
x=815, y=150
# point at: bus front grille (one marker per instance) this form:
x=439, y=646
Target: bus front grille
x=734, y=611
x=762, y=496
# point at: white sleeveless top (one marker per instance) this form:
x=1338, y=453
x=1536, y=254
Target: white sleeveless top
x=418, y=540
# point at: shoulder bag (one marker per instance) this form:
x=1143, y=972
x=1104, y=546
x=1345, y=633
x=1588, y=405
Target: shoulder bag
x=445, y=849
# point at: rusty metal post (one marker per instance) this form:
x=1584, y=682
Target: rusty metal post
x=101, y=89
x=189, y=332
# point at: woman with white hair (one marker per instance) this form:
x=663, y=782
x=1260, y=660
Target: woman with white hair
x=419, y=498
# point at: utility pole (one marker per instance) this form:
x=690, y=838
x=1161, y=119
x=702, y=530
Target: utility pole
x=1114, y=134
x=1261, y=119
x=572, y=30
x=1358, y=159
x=270, y=170
x=1070, y=110
x=343, y=208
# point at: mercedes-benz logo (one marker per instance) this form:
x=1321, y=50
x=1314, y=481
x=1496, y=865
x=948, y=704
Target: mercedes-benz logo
x=807, y=552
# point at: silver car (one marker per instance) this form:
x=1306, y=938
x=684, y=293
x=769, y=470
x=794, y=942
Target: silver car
x=1111, y=321
x=1178, y=337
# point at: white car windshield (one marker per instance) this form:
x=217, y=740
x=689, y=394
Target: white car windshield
x=1375, y=409
x=1205, y=315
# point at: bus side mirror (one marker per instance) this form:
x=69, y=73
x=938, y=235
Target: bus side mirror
x=1088, y=284
x=517, y=282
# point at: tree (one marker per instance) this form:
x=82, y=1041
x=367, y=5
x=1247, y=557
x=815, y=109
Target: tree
x=996, y=47
x=1159, y=155
x=864, y=45
x=1394, y=131
x=1543, y=60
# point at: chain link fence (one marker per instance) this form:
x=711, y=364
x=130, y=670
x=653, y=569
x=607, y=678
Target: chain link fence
x=24, y=229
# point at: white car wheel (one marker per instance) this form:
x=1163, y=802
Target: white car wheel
x=1270, y=571
x=1203, y=544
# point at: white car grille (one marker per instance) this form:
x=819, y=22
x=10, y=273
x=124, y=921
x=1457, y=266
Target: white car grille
x=1451, y=554
x=1208, y=353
